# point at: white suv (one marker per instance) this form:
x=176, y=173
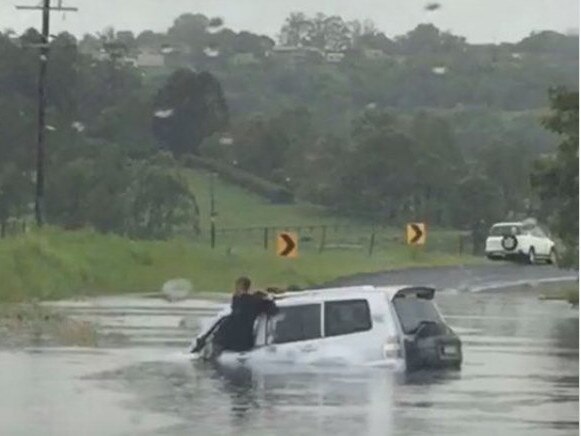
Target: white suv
x=520, y=240
x=398, y=327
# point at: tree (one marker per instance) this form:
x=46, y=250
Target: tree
x=260, y=147
x=88, y=190
x=64, y=74
x=127, y=38
x=328, y=33
x=440, y=165
x=377, y=175
x=159, y=203
x=295, y=30
x=246, y=42
x=549, y=41
x=427, y=38
x=321, y=31
x=189, y=28
x=189, y=108
x=149, y=38
x=476, y=198
x=556, y=177
x=508, y=164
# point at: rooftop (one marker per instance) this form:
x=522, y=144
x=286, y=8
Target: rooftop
x=344, y=292
x=508, y=224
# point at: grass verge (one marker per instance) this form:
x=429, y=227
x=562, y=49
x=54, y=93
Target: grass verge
x=53, y=264
x=570, y=295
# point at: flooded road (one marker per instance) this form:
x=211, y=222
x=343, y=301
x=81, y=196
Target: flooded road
x=520, y=377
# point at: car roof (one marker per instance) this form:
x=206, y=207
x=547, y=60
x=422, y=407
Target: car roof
x=508, y=224
x=341, y=293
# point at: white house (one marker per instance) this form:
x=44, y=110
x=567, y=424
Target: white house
x=334, y=57
x=149, y=59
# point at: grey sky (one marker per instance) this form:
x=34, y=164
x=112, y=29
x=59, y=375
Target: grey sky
x=478, y=20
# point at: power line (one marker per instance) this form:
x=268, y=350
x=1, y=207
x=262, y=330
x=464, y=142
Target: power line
x=46, y=9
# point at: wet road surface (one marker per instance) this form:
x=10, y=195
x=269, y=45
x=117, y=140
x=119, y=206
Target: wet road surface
x=471, y=278
x=520, y=377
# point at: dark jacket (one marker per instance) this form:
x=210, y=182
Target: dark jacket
x=237, y=331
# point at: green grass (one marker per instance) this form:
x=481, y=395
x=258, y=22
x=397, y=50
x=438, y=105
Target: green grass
x=571, y=295
x=237, y=207
x=55, y=264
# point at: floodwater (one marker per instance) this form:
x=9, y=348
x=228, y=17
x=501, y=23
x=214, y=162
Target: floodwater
x=520, y=377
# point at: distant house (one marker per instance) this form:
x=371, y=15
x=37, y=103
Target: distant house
x=101, y=55
x=131, y=61
x=150, y=59
x=334, y=57
x=294, y=54
x=374, y=54
x=244, y=59
x=175, y=56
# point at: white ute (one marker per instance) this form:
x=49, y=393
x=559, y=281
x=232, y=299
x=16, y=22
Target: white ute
x=398, y=327
x=520, y=241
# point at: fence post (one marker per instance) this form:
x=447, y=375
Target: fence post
x=372, y=242
x=266, y=238
x=213, y=233
x=323, y=239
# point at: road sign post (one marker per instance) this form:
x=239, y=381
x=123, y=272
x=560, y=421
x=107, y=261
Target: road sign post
x=323, y=239
x=287, y=245
x=372, y=242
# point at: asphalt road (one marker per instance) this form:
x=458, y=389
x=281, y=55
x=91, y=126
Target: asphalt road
x=465, y=278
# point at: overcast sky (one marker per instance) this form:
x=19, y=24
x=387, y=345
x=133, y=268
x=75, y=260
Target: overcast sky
x=477, y=20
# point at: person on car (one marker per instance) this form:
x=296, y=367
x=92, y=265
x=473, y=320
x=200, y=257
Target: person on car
x=237, y=331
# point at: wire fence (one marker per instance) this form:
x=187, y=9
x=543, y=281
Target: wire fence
x=317, y=237
x=13, y=227
x=321, y=237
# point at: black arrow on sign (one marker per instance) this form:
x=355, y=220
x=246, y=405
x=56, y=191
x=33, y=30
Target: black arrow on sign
x=290, y=245
x=417, y=233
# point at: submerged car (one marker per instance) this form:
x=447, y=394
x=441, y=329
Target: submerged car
x=520, y=241
x=398, y=327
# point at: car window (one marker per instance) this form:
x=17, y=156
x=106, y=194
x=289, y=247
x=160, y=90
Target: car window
x=537, y=231
x=529, y=229
x=296, y=323
x=506, y=230
x=344, y=317
x=412, y=311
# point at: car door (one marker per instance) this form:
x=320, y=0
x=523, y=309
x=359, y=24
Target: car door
x=542, y=242
x=349, y=333
x=528, y=239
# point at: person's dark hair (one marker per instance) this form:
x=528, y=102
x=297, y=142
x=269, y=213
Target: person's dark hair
x=243, y=284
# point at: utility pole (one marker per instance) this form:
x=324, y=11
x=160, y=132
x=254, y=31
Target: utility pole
x=212, y=211
x=41, y=127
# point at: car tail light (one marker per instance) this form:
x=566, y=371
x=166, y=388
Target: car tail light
x=392, y=348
